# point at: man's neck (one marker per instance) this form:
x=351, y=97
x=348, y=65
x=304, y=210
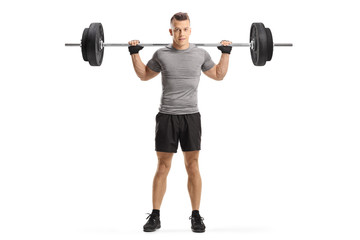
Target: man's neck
x=183, y=47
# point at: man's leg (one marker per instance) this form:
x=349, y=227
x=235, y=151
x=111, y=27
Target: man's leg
x=159, y=183
x=194, y=187
x=159, y=188
x=194, y=179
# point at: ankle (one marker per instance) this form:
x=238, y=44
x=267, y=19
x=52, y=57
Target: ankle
x=156, y=212
x=195, y=213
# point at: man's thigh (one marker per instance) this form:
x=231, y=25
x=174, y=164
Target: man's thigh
x=191, y=160
x=166, y=133
x=164, y=160
x=190, y=133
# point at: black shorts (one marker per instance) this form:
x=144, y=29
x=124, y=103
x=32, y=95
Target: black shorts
x=170, y=129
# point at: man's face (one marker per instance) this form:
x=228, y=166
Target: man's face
x=180, y=32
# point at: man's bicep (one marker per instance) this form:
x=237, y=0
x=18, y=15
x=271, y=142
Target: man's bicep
x=150, y=73
x=211, y=73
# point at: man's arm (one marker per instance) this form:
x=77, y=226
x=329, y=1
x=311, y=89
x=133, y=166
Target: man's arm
x=219, y=71
x=142, y=71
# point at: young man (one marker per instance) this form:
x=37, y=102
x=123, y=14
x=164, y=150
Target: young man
x=180, y=64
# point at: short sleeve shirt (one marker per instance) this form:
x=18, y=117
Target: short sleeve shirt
x=180, y=71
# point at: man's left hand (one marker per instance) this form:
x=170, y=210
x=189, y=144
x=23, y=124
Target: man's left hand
x=225, y=46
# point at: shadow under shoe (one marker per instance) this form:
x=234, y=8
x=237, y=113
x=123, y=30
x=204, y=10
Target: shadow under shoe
x=153, y=223
x=197, y=224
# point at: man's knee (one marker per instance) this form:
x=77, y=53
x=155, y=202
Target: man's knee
x=164, y=163
x=163, y=168
x=192, y=167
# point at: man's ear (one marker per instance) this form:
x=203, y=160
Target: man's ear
x=170, y=30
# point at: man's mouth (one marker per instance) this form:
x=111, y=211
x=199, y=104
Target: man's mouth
x=182, y=39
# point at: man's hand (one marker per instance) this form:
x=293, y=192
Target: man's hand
x=225, y=48
x=134, y=47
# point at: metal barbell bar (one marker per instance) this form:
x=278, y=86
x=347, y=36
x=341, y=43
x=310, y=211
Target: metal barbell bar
x=166, y=44
x=261, y=44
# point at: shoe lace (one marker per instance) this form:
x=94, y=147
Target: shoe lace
x=197, y=219
x=151, y=216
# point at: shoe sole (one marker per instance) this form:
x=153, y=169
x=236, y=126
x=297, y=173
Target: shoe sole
x=151, y=230
x=198, y=231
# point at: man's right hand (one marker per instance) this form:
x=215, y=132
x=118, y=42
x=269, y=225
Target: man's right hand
x=134, y=47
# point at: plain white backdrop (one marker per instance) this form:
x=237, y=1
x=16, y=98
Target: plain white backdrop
x=280, y=149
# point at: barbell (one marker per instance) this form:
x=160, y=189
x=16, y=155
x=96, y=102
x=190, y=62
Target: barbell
x=261, y=44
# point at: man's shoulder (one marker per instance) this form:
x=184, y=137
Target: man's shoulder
x=198, y=49
x=162, y=50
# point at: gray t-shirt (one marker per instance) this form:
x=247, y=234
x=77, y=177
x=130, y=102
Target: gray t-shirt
x=180, y=71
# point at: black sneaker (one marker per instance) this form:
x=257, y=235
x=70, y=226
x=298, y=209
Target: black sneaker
x=197, y=224
x=152, y=224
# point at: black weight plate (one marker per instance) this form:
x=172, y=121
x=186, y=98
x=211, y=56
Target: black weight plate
x=95, y=53
x=259, y=53
x=270, y=44
x=83, y=44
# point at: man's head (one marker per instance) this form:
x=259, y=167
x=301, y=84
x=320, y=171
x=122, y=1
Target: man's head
x=180, y=29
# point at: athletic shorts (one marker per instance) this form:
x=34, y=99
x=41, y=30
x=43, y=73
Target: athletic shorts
x=170, y=129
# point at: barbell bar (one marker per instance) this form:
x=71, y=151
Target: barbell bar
x=261, y=44
x=166, y=44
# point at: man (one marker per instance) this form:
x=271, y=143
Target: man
x=180, y=64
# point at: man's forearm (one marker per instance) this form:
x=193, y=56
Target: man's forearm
x=139, y=66
x=222, y=66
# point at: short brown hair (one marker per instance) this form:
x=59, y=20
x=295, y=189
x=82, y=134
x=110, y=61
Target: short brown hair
x=180, y=16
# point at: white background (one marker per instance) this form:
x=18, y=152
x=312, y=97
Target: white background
x=280, y=151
